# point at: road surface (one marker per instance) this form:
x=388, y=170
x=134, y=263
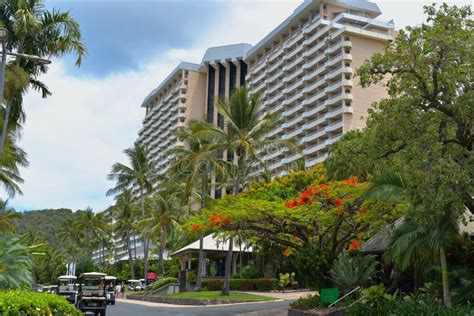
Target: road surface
x=279, y=308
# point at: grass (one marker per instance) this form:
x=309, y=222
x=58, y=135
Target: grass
x=216, y=295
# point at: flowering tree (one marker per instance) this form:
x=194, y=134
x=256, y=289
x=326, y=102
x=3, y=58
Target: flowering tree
x=334, y=215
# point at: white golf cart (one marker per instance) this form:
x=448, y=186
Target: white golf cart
x=91, y=296
x=67, y=288
x=110, y=282
x=135, y=285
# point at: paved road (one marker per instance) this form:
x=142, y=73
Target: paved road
x=258, y=309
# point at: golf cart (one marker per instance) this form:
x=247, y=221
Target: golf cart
x=67, y=288
x=91, y=296
x=110, y=288
x=135, y=285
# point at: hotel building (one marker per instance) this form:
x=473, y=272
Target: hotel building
x=305, y=69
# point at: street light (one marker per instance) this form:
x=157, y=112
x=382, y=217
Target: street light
x=34, y=58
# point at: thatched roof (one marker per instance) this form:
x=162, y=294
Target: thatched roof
x=380, y=242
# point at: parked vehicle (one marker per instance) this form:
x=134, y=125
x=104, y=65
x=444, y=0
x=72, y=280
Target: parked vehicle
x=110, y=282
x=67, y=288
x=50, y=289
x=91, y=295
x=135, y=285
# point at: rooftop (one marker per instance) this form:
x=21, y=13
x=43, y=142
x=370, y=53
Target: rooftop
x=211, y=243
x=226, y=52
x=181, y=66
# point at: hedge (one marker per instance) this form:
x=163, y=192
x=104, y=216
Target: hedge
x=263, y=285
x=162, y=283
x=15, y=303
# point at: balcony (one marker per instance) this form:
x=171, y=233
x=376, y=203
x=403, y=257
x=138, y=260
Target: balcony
x=334, y=126
x=291, y=158
x=292, y=110
x=315, y=161
x=294, y=133
x=313, y=136
x=313, y=149
x=293, y=87
x=338, y=98
x=338, y=111
x=293, y=122
x=314, y=98
x=272, y=78
x=314, y=123
x=333, y=139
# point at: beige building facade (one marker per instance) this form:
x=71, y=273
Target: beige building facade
x=305, y=69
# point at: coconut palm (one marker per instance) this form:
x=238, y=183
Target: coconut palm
x=91, y=226
x=244, y=135
x=71, y=235
x=193, y=167
x=413, y=241
x=6, y=217
x=13, y=157
x=125, y=212
x=168, y=208
x=34, y=30
x=140, y=173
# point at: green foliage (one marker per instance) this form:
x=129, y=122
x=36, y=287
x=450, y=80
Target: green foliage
x=287, y=280
x=15, y=263
x=263, y=285
x=351, y=271
x=378, y=303
x=13, y=303
x=312, y=266
x=307, y=302
x=162, y=283
x=250, y=271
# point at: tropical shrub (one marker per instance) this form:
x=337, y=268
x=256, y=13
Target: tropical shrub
x=307, y=302
x=351, y=271
x=13, y=303
x=311, y=266
x=263, y=285
x=287, y=280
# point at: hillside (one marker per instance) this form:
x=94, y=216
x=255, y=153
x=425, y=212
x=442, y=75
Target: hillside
x=46, y=222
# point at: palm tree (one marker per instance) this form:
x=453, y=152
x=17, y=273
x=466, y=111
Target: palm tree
x=34, y=30
x=125, y=213
x=413, y=240
x=194, y=165
x=72, y=235
x=142, y=173
x=13, y=157
x=15, y=263
x=244, y=135
x=6, y=216
x=168, y=208
x=91, y=225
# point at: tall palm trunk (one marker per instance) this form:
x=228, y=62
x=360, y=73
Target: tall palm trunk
x=228, y=263
x=201, y=235
x=130, y=260
x=144, y=237
x=5, y=126
x=162, y=248
x=444, y=274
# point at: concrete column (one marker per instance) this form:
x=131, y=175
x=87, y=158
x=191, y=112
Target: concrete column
x=189, y=261
x=203, y=270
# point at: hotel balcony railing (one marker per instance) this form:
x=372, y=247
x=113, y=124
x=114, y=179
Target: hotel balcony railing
x=293, y=122
x=293, y=87
x=311, y=26
x=298, y=72
x=294, y=133
x=274, y=99
x=315, y=161
x=314, y=148
x=313, y=136
x=273, y=155
x=259, y=66
x=272, y=78
x=314, y=50
x=295, y=97
x=275, y=87
x=338, y=98
x=314, y=86
x=259, y=78
x=340, y=110
x=333, y=139
x=334, y=126
x=318, y=34
x=293, y=52
x=314, y=98
x=315, y=122
x=291, y=158
x=276, y=53
x=293, y=64
x=274, y=132
x=259, y=86
x=294, y=109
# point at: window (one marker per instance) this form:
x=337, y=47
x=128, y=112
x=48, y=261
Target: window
x=210, y=93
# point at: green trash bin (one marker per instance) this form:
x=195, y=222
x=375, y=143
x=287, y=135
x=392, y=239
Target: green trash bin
x=329, y=296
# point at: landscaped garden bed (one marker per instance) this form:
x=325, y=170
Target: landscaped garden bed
x=202, y=298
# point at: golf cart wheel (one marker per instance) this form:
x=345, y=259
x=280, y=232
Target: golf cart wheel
x=113, y=302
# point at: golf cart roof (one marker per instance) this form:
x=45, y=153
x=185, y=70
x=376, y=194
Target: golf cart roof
x=109, y=277
x=93, y=275
x=133, y=280
x=67, y=277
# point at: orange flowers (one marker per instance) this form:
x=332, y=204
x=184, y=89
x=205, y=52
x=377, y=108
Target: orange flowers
x=219, y=220
x=196, y=227
x=338, y=201
x=352, y=181
x=354, y=245
x=287, y=252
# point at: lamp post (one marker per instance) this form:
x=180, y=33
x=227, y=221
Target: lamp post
x=3, y=40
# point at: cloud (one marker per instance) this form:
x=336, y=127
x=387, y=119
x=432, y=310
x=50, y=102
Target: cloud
x=74, y=136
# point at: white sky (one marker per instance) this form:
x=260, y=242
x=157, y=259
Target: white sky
x=73, y=137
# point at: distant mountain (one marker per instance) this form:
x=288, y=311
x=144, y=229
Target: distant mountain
x=46, y=223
